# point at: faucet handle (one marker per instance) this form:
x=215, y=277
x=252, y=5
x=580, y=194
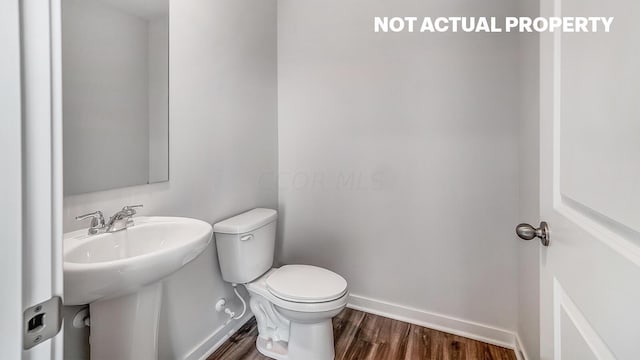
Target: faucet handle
x=131, y=209
x=97, y=221
x=132, y=206
x=95, y=216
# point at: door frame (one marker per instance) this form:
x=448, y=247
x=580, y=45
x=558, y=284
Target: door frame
x=31, y=185
x=10, y=182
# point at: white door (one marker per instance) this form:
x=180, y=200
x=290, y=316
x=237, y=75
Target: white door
x=590, y=185
x=30, y=180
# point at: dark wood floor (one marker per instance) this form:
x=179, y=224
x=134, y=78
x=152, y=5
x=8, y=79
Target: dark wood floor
x=360, y=336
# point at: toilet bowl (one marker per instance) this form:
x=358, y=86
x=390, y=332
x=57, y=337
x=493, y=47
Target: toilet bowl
x=297, y=329
x=293, y=304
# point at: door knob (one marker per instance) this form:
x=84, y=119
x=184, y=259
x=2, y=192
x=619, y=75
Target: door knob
x=528, y=232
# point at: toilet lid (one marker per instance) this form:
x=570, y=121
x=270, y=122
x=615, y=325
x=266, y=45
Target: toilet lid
x=306, y=283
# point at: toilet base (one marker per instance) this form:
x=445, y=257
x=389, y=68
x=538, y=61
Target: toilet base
x=306, y=342
x=311, y=341
x=273, y=349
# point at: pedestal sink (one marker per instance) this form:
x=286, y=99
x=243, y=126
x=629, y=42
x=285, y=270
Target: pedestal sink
x=120, y=276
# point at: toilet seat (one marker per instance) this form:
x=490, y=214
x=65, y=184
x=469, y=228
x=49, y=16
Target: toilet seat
x=259, y=286
x=306, y=284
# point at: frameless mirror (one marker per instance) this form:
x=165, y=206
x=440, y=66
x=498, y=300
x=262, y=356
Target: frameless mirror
x=115, y=79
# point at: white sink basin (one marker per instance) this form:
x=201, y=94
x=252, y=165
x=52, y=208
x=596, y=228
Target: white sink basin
x=119, y=274
x=97, y=267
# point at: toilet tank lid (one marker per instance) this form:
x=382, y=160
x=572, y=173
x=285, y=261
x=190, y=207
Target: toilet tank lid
x=246, y=222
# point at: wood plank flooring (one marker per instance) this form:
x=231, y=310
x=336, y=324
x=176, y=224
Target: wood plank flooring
x=363, y=336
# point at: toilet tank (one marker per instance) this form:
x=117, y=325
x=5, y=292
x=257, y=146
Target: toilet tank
x=246, y=245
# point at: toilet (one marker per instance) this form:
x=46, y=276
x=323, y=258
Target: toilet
x=293, y=304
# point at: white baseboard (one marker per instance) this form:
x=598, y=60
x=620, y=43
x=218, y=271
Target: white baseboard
x=521, y=354
x=468, y=329
x=217, y=338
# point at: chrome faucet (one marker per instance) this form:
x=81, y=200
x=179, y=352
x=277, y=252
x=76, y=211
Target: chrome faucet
x=119, y=221
x=122, y=219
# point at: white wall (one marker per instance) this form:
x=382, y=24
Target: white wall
x=398, y=154
x=158, y=54
x=222, y=140
x=528, y=251
x=105, y=104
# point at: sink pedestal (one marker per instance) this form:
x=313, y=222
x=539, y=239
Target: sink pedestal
x=126, y=327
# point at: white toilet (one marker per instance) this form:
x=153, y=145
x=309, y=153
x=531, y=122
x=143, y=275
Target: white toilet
x=294, y=304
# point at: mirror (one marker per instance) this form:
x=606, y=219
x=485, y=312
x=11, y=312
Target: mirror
x=115, y=84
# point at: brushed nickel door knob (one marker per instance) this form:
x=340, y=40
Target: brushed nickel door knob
x=528, y=232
